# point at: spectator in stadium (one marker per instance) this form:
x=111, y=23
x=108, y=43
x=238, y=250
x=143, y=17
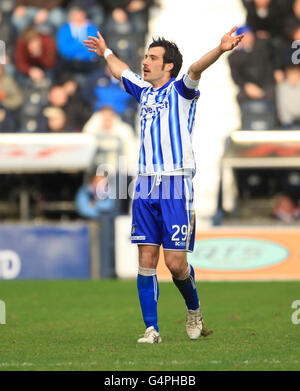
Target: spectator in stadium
x=106, y=124
x=292, y=20
x=288, y=98
x=117, y=22
x=7, y=6
x=46, y=15
x=102, y=89
x=252, y=68
x=57, y=96
x=8, y=35
x=60, y=96
x=94, y=8
x=78, y=112
x=7, y=32
x=126, y=16
x=285, y=209
x=57, y=120
x=11, y=94
x=70, y=36
x=92, y=199
x=289, y=52
x=35, y=54
x=8, y=123
x=265, y=17
x=94, y=202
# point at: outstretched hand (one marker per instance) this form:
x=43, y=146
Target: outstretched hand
x=96, y=45
x=228, y=42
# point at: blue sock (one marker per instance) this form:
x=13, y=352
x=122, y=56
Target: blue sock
x=148, y=295
x=188, y=290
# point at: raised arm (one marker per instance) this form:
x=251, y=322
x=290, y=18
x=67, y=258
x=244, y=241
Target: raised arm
x=98, y=45
x=227, y=43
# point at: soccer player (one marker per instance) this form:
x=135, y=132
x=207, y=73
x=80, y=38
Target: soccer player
x=162, y=209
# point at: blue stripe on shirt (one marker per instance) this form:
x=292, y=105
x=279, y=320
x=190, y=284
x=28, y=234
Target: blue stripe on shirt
x=174, y=126
x=142, y=158
x=157, y=158
x=192, y=116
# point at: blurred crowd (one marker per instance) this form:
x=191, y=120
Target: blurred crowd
x=265, y=68
x=49, y=81
x=266, y=65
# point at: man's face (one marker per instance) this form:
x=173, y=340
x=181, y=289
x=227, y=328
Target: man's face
x=262, y=3
x=100, y=185
x=58, y=96
x=154, y=69
x=57, y=123
x=77, y=17
x=293, y=75
x=296, y=34
x=108, y=117
x=296, y=8
x=35, y=46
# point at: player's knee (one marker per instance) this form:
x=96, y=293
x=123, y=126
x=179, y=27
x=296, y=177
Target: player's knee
x=177, y=271
x=176, y=263
x=148, y=256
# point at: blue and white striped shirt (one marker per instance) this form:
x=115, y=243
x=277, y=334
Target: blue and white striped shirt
x=167, y=119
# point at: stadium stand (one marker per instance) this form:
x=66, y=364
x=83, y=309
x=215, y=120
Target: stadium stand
x=288, y=98
x=272, y=25
x=48, y=86
x=252, y=69
x=35, y=55
x=11, y=94
x=105, y=124
x=101, y=89
x=47, y=16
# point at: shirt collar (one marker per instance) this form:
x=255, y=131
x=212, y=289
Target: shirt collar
x=164, y=86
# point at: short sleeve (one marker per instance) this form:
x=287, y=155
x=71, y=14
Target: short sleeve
x=134, y=84
x=187, y=88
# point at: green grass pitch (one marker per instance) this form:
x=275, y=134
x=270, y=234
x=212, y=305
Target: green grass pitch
x=94, y=325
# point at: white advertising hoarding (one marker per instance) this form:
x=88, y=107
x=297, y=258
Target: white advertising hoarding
x=26, y=153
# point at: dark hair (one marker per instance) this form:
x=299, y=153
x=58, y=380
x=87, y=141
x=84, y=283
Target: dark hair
x=29, y=33
x=171, y=55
